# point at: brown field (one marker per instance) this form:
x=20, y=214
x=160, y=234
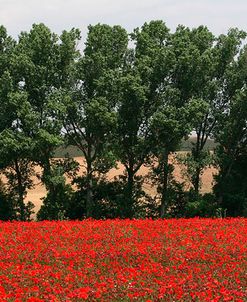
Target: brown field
x=35, y=195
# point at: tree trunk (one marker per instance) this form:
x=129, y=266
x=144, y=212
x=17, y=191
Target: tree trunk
x=225, y=173
x=46, y=177
x=89, y=196
x=196, y=156
x=21, y=191
x=196, y=181
x=128, y=210
x=163, y=206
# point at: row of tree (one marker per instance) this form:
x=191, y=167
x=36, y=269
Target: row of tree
x=124, y=104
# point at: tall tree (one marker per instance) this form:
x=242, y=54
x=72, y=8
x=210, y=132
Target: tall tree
x=88, y=107
x=231, y=134
x=43, y=63
x=14, y=145
x=15, y=151
x=143, y=74
x=165, y=62
x=210, y=59
x=132, y=144
x=7, y=45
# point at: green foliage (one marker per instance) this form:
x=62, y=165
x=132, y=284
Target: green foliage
x=7, y=210
x=110, y=199
x=56, y=203
x=40, y=60
x=176, y=199
x=58, y=199
x=88, y=107
x=201, y=206
x=12, y=208
x=120, y=104
x=231, y=133
x=217, y=60
x=191, y=165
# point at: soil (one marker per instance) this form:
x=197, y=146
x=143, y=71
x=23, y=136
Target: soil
x=38, y=192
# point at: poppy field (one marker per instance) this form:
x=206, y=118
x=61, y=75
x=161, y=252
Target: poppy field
x=124, y=260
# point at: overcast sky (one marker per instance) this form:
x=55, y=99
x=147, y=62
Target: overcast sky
x=218, y=15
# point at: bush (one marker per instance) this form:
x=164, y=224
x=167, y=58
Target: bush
x=202, y=206
x=13, y=209
x=6, y=207
x=55, y=204
x=110, y=200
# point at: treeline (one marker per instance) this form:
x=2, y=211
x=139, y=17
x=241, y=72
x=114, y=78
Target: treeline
x=128, y=98
x=185, y=145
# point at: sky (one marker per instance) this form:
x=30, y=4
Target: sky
x=218, y=15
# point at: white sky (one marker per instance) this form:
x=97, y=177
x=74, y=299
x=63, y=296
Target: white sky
x=218, y=15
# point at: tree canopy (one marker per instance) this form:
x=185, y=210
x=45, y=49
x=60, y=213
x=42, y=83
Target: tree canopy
x=128, y=98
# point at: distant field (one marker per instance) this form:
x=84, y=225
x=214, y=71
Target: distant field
x=39, y=191
x=72, y=151
x=186, y=145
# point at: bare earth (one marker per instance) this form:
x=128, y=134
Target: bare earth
x=35, y=195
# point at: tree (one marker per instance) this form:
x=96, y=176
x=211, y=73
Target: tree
x=58, y=201
x=7, y=208
x=142, y=76
x=88, y=107
x=132, y=145
x=15, y=150
x=7, y=45
x=170, y=124
x=209, y=61
x=231, y=134
x=14, y=147
x=163, y=62
x=43, y=63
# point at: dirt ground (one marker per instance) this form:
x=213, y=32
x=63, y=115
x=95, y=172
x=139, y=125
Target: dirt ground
x=35, y=195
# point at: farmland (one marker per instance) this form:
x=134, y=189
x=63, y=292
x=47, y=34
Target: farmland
x=38, y=191
x=124, y=260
